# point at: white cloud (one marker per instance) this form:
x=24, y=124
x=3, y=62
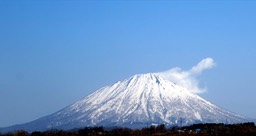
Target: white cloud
x=188, y=79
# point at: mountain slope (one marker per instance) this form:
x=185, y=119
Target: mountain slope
x=136, y=102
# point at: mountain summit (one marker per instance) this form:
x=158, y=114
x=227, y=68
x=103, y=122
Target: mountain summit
x=139, y=101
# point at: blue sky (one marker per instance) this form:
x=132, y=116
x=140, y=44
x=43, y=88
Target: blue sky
x=53, y=53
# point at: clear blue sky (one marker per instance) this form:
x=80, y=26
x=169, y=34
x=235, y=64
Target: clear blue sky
x=53, y=53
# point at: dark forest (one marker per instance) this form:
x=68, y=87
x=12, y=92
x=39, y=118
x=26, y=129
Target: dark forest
x=211, y=129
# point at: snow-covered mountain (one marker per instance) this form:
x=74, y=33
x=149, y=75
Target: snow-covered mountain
x=139, y=101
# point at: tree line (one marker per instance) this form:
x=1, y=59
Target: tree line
x=210, y=129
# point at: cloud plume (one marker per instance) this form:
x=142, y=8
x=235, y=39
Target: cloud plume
x=188, y=79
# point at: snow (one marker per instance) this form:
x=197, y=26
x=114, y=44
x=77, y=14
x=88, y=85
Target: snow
x=139, y=100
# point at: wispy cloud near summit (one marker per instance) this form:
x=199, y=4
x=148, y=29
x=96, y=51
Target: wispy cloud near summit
x=188, y=79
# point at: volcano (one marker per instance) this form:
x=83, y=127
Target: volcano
x=139, y=101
